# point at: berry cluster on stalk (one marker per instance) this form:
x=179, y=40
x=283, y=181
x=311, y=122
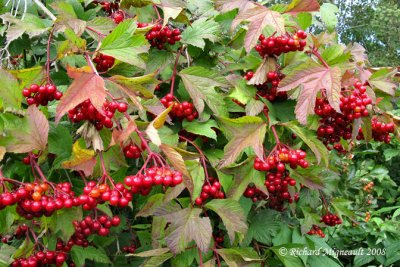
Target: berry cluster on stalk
x=108, y=7
x=158, y=36
x=277, y=176
x=132, y=151
x=19, y=233
x=103, y=62
x=331, y=219
x=184, y=110
x=211, y=189
x=269, y=89
x=254, y=193
x=93, y=194
x=143, y=183
x=41, y=95
x=335, y=125
x=86, y=111
x=380, y=131
x=276, y=45
x=129, y=249
x=118, y=16
x=42, y=259
x=315, y=230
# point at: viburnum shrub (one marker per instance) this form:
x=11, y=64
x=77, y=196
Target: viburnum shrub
x=191, y=133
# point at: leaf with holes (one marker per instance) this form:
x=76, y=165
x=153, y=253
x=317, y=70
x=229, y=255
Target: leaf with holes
x=232, y=216
x=259, y=17
x=312, y=77
x=85, y=86
x=243, y=132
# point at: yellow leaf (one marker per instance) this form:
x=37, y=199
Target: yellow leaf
x=82, y=159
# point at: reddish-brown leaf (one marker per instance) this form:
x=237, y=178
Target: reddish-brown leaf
x=85, y=86
x=259, y=17
x=260, y=76
x=120, y=136
x=227, y=5
x=37, y=136
x=312, y=77
x=299, y=6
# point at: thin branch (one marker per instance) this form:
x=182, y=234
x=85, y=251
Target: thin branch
x=45, y=10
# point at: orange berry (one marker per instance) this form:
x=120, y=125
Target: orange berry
x=36, y=196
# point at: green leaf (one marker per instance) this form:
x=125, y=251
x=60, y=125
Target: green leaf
x=31, y=25
x=200, y=83
x=103, y=25
x=316, y=146
x=232, y=216
x=10, y=93
x=67, y=215
x=332, y=52
x=197, y=172
x=60, y=142
x=242, y=133
x=304, y=20
x=264, y=226
x=6, y=219
x=199, y=30
x=242, y=92
x=328, y=15
x=123, y=45
x=136, y=84
x=171, y=9
x=383, y=80
x=314, y=260
x=126, y=4
x=187, y=225
x=342, y=207
x=244, y=175
x=6, y=255
x=158, y=60
x=236, y=257
x=80, y=255
x=201, y=128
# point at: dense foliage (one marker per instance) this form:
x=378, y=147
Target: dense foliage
x=193, y=133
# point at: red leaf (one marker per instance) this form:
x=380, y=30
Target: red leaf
x=260, y=76
x=227, y=5
x=120, y=136
x=312, y=77
x=259, y=17
x=299, y=6
x=85, y=86
x=37, y=136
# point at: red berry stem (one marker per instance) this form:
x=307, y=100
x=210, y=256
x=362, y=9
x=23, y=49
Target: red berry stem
x=104, y=170
x=278, y=143
x=200, y=257
x=90, y=63
x=93, y=30
x=324, y=201
x=158, y=13
x=318, y=55
x=202, y=156
x=171, y=91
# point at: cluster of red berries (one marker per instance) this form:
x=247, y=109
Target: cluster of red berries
x=108, y=7
x=94, y=194
x=315, y=230
x=331, y=219
x=118, y=17
x=277, y=177
x=86, y=111
x=142, y=183
x=219, y=237
x=103, y=62
x=159, y=36
x=129, y=249
x=42, y=259
x=269, y=89
x=335, y=125
x=184, y=110
x=211, y=189
x=254, y=193
x=142, y=25
x=132, y=151
x=41, y=95
x=275, y=46
x=380, y=131
x=19, y=233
